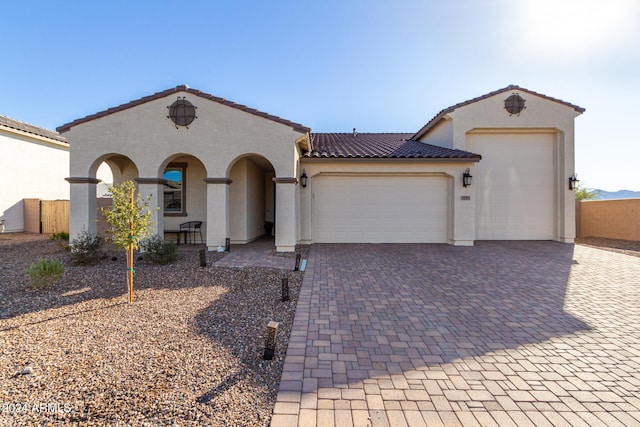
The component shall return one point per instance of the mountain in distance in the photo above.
(620, 194)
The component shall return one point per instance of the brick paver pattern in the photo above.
(502, 333)
(259, 253)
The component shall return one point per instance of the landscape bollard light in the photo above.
(285, 289)
(297, 266)
(270, 340)
(227, 244)
(203, 258)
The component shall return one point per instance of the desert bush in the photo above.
(61, 239)
(157, 251)
(45, 272)
(61, 236)
(85, 249)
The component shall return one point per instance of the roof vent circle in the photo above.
(514, 104)
(182, 112)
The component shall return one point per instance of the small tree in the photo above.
(130, 220)
(585, 193)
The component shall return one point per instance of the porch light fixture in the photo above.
(573, 181)
(303, 179)
(466, 178)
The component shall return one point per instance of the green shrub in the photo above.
(61, 239)
(62, 236)
(157, 251)
(85, 249)
(45, 272)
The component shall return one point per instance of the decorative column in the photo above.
(217, 212)
(152, 188)
(285, 213)
(82, 206)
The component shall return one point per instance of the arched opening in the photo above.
(252, 199)
(110, 169)
(184, 195)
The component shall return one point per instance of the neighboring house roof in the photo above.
(183, 88)
(34, 130)
(448, 110)
(379, 146)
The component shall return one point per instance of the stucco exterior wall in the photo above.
(255, 202)
(148, 141)
(612, 219)
(488, 115)
(32, 167)
(441, 134)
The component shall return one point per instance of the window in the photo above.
(175, 189)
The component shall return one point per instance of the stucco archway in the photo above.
(182, 193)
(252, 206)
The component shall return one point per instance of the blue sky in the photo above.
(379, 66)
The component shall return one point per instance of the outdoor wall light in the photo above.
(573, 181)
(466, 178)
(303, 179)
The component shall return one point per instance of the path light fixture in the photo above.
(285, 289)
(466, 178)
(303, 179)
(270, 340)
(573, 181)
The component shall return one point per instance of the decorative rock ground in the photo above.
(188, 351)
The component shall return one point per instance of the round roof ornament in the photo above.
(514, 104)
(182, 112)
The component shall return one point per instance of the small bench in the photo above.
(178, 233)
(188, 230)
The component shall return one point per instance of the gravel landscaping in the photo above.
(627, 247)
(188, 351)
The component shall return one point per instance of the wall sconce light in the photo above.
(573, 181)
(303, 179)
(466, 178)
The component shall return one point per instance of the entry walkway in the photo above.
(503, 333)
(259, 253)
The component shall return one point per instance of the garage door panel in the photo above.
(514, 185)
(374, 209)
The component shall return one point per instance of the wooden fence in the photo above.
(46, 216)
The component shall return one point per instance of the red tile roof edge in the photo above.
(367, 147)
(184, 88)
(448, 110)
(32, 129)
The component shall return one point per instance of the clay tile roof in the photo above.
(184, 88)
(378, 146)
(35, 130)
(448, 110)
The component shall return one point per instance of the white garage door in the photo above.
(375, 209)
(514, 186)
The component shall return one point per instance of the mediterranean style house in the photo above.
(34, 163)
(496, 167)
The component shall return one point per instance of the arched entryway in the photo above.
(84, 211)
(184, 195)
(110, 170)
(252, 206)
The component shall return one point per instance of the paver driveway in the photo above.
(503, 333)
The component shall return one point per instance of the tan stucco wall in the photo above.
(541, 115)
(217, 138)
(461, 213)
(32, 167)
(255, 202)
(246, 201)
(612, 219)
